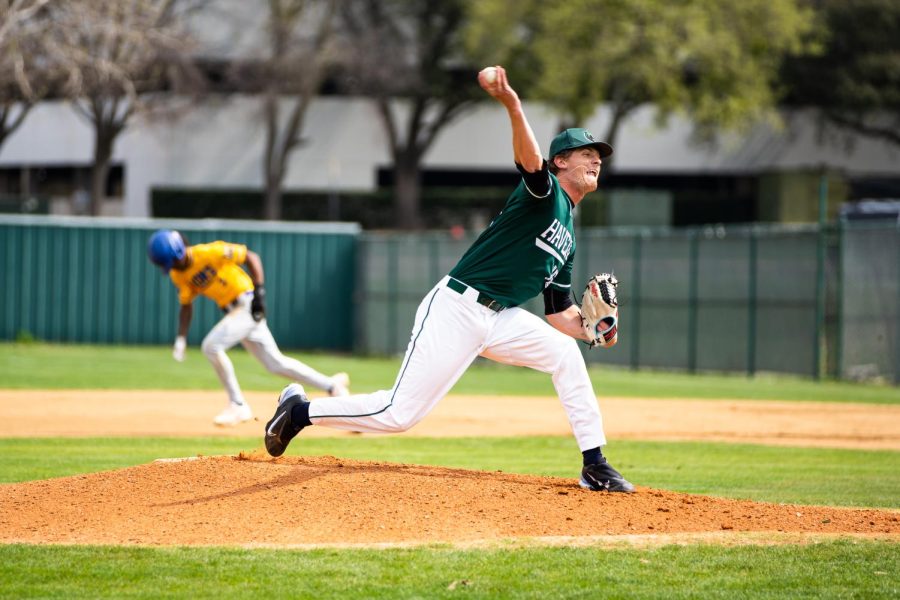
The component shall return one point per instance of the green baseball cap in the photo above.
(576, 137)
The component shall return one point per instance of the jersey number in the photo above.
(204, 277)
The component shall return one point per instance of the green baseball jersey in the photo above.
(529, 246)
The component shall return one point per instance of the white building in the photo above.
(219, 144)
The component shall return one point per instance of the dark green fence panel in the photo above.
(870, 282)
(722, 301)
(89, 281)
(665, 301)
(395, 272)
(786, 327)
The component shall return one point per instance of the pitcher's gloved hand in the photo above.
(600, 310)
(258, 305)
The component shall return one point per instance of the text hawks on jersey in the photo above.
(558, 242)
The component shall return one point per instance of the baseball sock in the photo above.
(591, 457)
(300, 415)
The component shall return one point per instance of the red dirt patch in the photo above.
(253, 500)
(300, 502)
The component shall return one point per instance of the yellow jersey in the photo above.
(213, 270)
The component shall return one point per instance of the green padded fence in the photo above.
(86, 280)
(788, 299)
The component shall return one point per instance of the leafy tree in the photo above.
(714, 60)
(408, 57)
(855, 82)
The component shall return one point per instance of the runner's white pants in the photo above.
(238, 326)
(450, 331)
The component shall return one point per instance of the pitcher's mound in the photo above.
(252, 500)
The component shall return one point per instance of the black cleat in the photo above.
(280, 430)
(602, 477)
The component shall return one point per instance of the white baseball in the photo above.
(490, 74)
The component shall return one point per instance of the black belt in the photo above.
(483, 299)
(234, 303)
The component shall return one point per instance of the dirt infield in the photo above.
(183, 413)
(253, 500)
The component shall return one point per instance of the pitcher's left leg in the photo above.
(523, 339)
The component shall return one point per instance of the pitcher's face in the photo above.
(582, 169)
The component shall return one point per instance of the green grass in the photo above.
(762, 473)
(57, 366)
(833, 569)
(839, 569)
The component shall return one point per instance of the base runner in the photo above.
(474, 311)
(214, 270)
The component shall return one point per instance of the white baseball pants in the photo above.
(450, 330)
(238, 326)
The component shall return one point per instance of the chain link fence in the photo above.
(869, 331)
(774, 298)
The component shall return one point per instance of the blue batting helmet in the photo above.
(165, 247)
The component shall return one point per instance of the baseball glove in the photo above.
(600, 310)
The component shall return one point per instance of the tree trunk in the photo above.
(407, 193)
(9, 122)
(272, 204)
(273, 158)
(620, 113)
(100, 171)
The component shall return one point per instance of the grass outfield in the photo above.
(27, 366)
(841, 569)
(826, 569)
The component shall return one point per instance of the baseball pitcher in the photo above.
(528, 249)
(215, 270)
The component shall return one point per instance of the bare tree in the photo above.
(298, 57)
(407, 57)
(21, 81)
(16, 16)
(117, 55)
